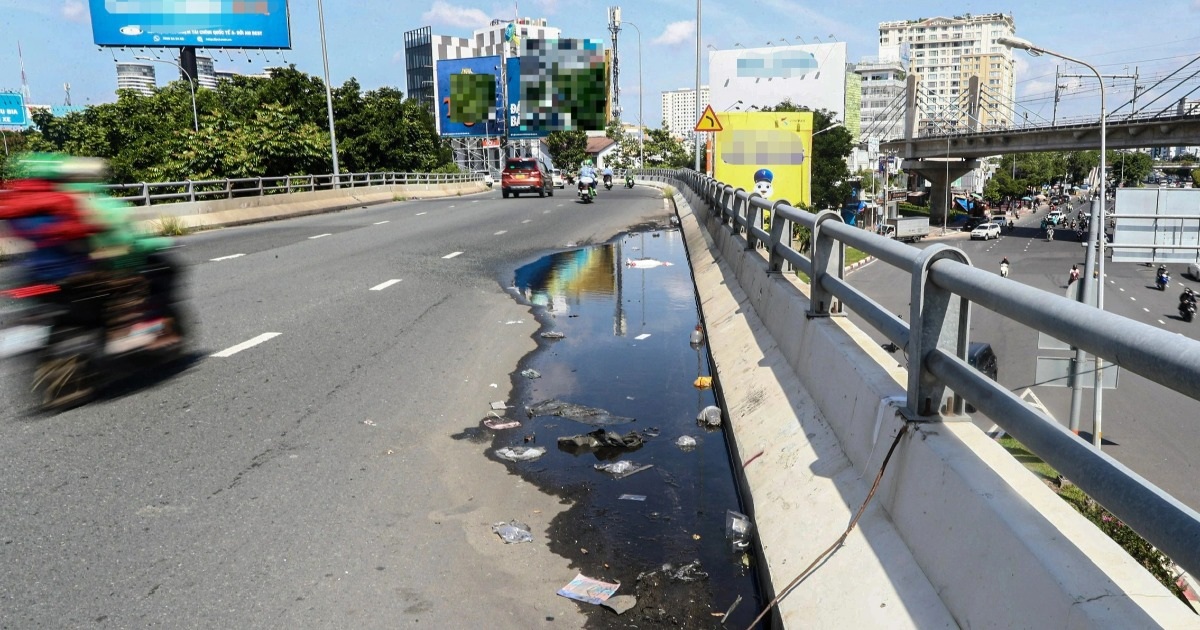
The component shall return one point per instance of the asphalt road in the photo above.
(1147, 427)
(308, 481)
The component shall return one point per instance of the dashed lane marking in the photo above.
(380, 287)
(527, 221)
(381, 222)
(311, 238)
(452, 255)
(500, 232)
(421, 213)
(230, 257)
(1145, 309)
(245, 345)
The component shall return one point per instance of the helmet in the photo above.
(587, 162)
(61, 167)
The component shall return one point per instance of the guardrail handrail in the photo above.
(149, 193)
(935, 339)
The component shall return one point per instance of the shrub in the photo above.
(168, 225)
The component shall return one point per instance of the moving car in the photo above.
(1054, 218)
(525, 175)
(487, 177)
(556, 178)
(986, 231)
(1193, 270)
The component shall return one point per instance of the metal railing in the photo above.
(944, 284)
(150, 193)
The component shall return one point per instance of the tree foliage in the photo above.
(830, 176)
(664, 151)
(568, 149)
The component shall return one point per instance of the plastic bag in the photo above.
(710, 416)
(513, 532)
(622, 469)
(686, 442)
(520, 453)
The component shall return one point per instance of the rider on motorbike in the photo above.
(587, 170)
(1187, 296)
(1004, 267)
(608, 176)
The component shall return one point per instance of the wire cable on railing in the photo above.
(1133, 113)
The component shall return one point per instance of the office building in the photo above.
(882, 105)
(137, 76)
(206, 75)
(679, 109)
(945, 53)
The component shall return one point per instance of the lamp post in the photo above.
(699, 109)
(191, 86)
(1096, 242)
(949, 199)
(641, 99)
(337, 178)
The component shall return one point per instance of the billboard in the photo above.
(12, 110)
(1166, 228)
(812, 76)
(465, 91)
(202, 23)
(558, 85)
(767, 153)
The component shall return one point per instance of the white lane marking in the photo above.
(500, 232)
(381, 222)
(1145, 309)
(421, 213)
(228, 352)
(545, 212)
(527, 221)
(1162, 322)
(380, 287)
(1121, 289)
(449, 256)
(451, 206)
(230, 257)
(1133, 298)
(319, 236)
(642, 336)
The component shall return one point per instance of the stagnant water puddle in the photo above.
(626, 349)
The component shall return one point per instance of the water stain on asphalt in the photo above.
(625, 349)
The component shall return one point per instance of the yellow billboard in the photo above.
(767, 153)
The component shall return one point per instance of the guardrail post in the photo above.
(754, 218)
(260, 186)
(145, 194)
(781, 235)
(937, 319)
(735, 210)
(191, 190)
(825, 260)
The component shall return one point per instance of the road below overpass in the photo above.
(1145, 426)
(308, 480)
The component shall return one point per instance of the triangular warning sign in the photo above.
(709, 121)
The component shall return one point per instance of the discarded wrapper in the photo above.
(702, 382)
(622, 469)
(513, 532)
(686, 442)
(586, 589)
(552, 334)
(632, 497)
(531, 373)
(497, 423)
(520, 453)
(710, 416)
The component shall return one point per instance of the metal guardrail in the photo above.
(935, 339)
(150, 193)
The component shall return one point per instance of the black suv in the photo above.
(525, 175)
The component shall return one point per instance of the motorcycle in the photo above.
(1163, 281)
(628, 182)
(1049, 234)
(608, 182)
(1187, 310)
(1003, 270)
(587, 189)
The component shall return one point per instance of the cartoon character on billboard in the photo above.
(764, 181)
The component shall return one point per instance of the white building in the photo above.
(945, 53)
(137, 76)
(679, 109)
(882, 108)
(206, 75)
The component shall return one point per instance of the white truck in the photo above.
(907, 229)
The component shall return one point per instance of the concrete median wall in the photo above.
(958, 533)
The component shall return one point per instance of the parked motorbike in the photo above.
(587, 189)
(1187, 311)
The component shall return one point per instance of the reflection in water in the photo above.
(563, 279)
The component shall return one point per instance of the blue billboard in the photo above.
(200, 23)
(12, 110)
(467, 93)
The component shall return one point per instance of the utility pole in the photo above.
(614, 27)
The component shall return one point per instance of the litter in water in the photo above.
(601, 439)
(686, 442)
(702, 382)
(513, 532)
(531, 373)
(737, 529)
(552, 334)
(588, 590)
(632, 497)
(697, 336)
(620, 603)
(622, 469)
(498, 423)
(499, 405)
(645, 263)
(710, 416)
(520, 453)
(578, 413)
(642, 336)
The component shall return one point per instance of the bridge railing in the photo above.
(151, 193)
(944, 285)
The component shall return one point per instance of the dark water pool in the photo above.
(626, 349)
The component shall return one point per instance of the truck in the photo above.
(907, 229)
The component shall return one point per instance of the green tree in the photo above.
(831, 145)
(568, 149)
(664, 151)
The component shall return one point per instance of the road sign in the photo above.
(1056, 372)
(708, 121)
(12, 110)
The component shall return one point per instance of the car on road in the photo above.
(1193, 270)
(1055, 217)
(986, 231)
(972, 223)
(525, 175)
(487, 177)
(556, 178)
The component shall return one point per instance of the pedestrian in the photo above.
(1074, 274)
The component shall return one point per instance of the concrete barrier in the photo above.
(958, 533)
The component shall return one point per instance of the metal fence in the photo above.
(150, 193)
(944, 285)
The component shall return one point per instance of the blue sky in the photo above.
(365, 40)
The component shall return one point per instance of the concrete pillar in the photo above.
(935, 172)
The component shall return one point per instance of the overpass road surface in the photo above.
(299, 471)
(1147, 427)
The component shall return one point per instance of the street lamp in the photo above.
(732, 106)
(1096, 238)
(328, 96)
(641, 99)
(191, 86)
(699, 109)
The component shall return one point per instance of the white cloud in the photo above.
(677, 33)
(74, 10)
(398, 56)
(446, 14)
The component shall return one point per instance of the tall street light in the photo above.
(699, 109)
(641, 98)
(1096, 242)
(328, 96)
(191, 86)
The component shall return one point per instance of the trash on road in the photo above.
(552, 334)
(620, 603)
(499, 405)
(737, 529)
(632, 497)
(513, 532)
(690, 572)
(686, 442)
(498, 423)
(578, 413)
(702, 382)
(588, 590)
(645, 263)
(710, 416)
(520, 453)
(531, 373)
(601, 438)
(622, 469)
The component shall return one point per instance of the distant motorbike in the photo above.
(628, 181)
(1163, 281)
(608, 182)
(587, 189)
(1187, 311)
(1003, 270)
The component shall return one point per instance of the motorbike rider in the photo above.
(587, 170)
(1188, 296)
(1004, 267)
(608, 175)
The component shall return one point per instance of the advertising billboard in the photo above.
(812, 76)
(12, 110)
(766, 153)
(201, 23)
(466, 93)
(559, 85)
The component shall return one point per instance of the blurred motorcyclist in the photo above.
(587, 170)
(608, 176)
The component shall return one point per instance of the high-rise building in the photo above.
(882, 106)
(418, 65)
(679, 109)
(136, 76)
(937, 49)
(206, 76)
